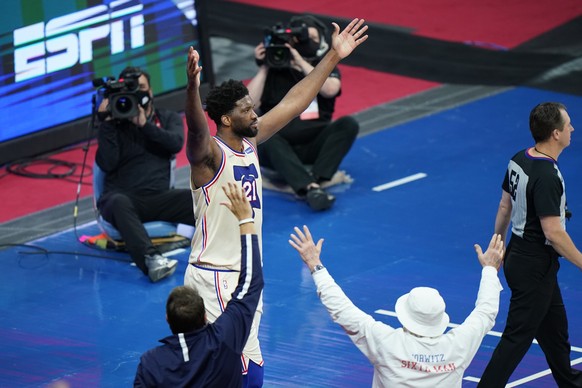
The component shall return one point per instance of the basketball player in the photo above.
(231, 156)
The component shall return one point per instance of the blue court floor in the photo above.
(85, 320)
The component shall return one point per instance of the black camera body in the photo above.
(124, 95)
(277, 55)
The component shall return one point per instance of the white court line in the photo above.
(498, 334)
(538, 375)
(399, 182)
(173, 252)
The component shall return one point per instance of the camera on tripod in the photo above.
(124, 95)
(277, 55)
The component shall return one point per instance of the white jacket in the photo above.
(402, 359)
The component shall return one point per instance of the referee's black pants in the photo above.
(127, 213)
(536, 310)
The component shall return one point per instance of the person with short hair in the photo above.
(308, 151)
(420, 354)
(202, 354)
(533, 200)
(136, 155)
(231, 156)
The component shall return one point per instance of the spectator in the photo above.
(420, 354)
(308, 151)
(231, 156)
(201, 354)
(136, 154)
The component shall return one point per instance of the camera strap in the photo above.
(157, 121)
(154, 119)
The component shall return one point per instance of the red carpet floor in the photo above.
(506, 23)
(501, 22)
(21, 196)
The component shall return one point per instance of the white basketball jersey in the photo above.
(216, 241)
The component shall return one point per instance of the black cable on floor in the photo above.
(21, 168)
(91, 129)
(43, 251)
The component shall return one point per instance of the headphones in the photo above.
(312, 21)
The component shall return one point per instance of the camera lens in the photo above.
(277, 56)
(123, 105)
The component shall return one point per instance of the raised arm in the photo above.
(493, 256)
(236, 320)
(299, 97)
(332, 85)
(240, 206)
(201, 150)
(471, 332)
(363, 330)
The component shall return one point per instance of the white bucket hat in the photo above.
(422, 312)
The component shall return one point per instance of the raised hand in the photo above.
(239, 204)
(351, 37)
(303, 243)
(493, 256)
(193, 69)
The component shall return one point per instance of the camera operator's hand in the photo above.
(260, 52)
(297, 61)
(351, 37)
(141, 119)
(103, 111)
(332, 85)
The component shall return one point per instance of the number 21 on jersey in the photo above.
(248, 175)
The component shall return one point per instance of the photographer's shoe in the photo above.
(159, 267)
(319, 199)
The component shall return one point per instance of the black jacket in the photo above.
(137, 160)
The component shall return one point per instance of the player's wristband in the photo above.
(246, 221)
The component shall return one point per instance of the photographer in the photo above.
(136, 155)
(287, 56)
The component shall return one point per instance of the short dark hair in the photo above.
(132, 70)
(544, 118)
(185, 310)
(222, 99)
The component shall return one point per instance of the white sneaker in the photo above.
(160, 267)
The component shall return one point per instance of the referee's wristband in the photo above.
(246, 221)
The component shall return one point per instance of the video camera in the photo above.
(277, 55)
(124, 95)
